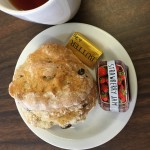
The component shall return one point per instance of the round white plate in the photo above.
(100, 126)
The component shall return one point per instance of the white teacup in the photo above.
(51, 13)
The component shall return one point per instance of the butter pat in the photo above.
(84, 49)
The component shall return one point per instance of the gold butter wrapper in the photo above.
(84, 49)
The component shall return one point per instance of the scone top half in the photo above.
(53, 78)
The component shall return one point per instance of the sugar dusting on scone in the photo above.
(53, 87)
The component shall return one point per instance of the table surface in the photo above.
(129, 22)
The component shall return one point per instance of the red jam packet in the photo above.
(113, 88)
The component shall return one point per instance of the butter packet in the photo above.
(84, 49)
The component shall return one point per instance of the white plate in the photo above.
(100, 126)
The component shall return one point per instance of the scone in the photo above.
(53, 87)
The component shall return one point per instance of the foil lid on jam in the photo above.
(84, 49)
(113, 88)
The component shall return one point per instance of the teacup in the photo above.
(52, 12)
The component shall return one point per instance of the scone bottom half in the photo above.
(53, 87)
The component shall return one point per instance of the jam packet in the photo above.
(113, 89)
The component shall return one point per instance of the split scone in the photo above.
(53, 87)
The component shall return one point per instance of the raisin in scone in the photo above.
(53, 87)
